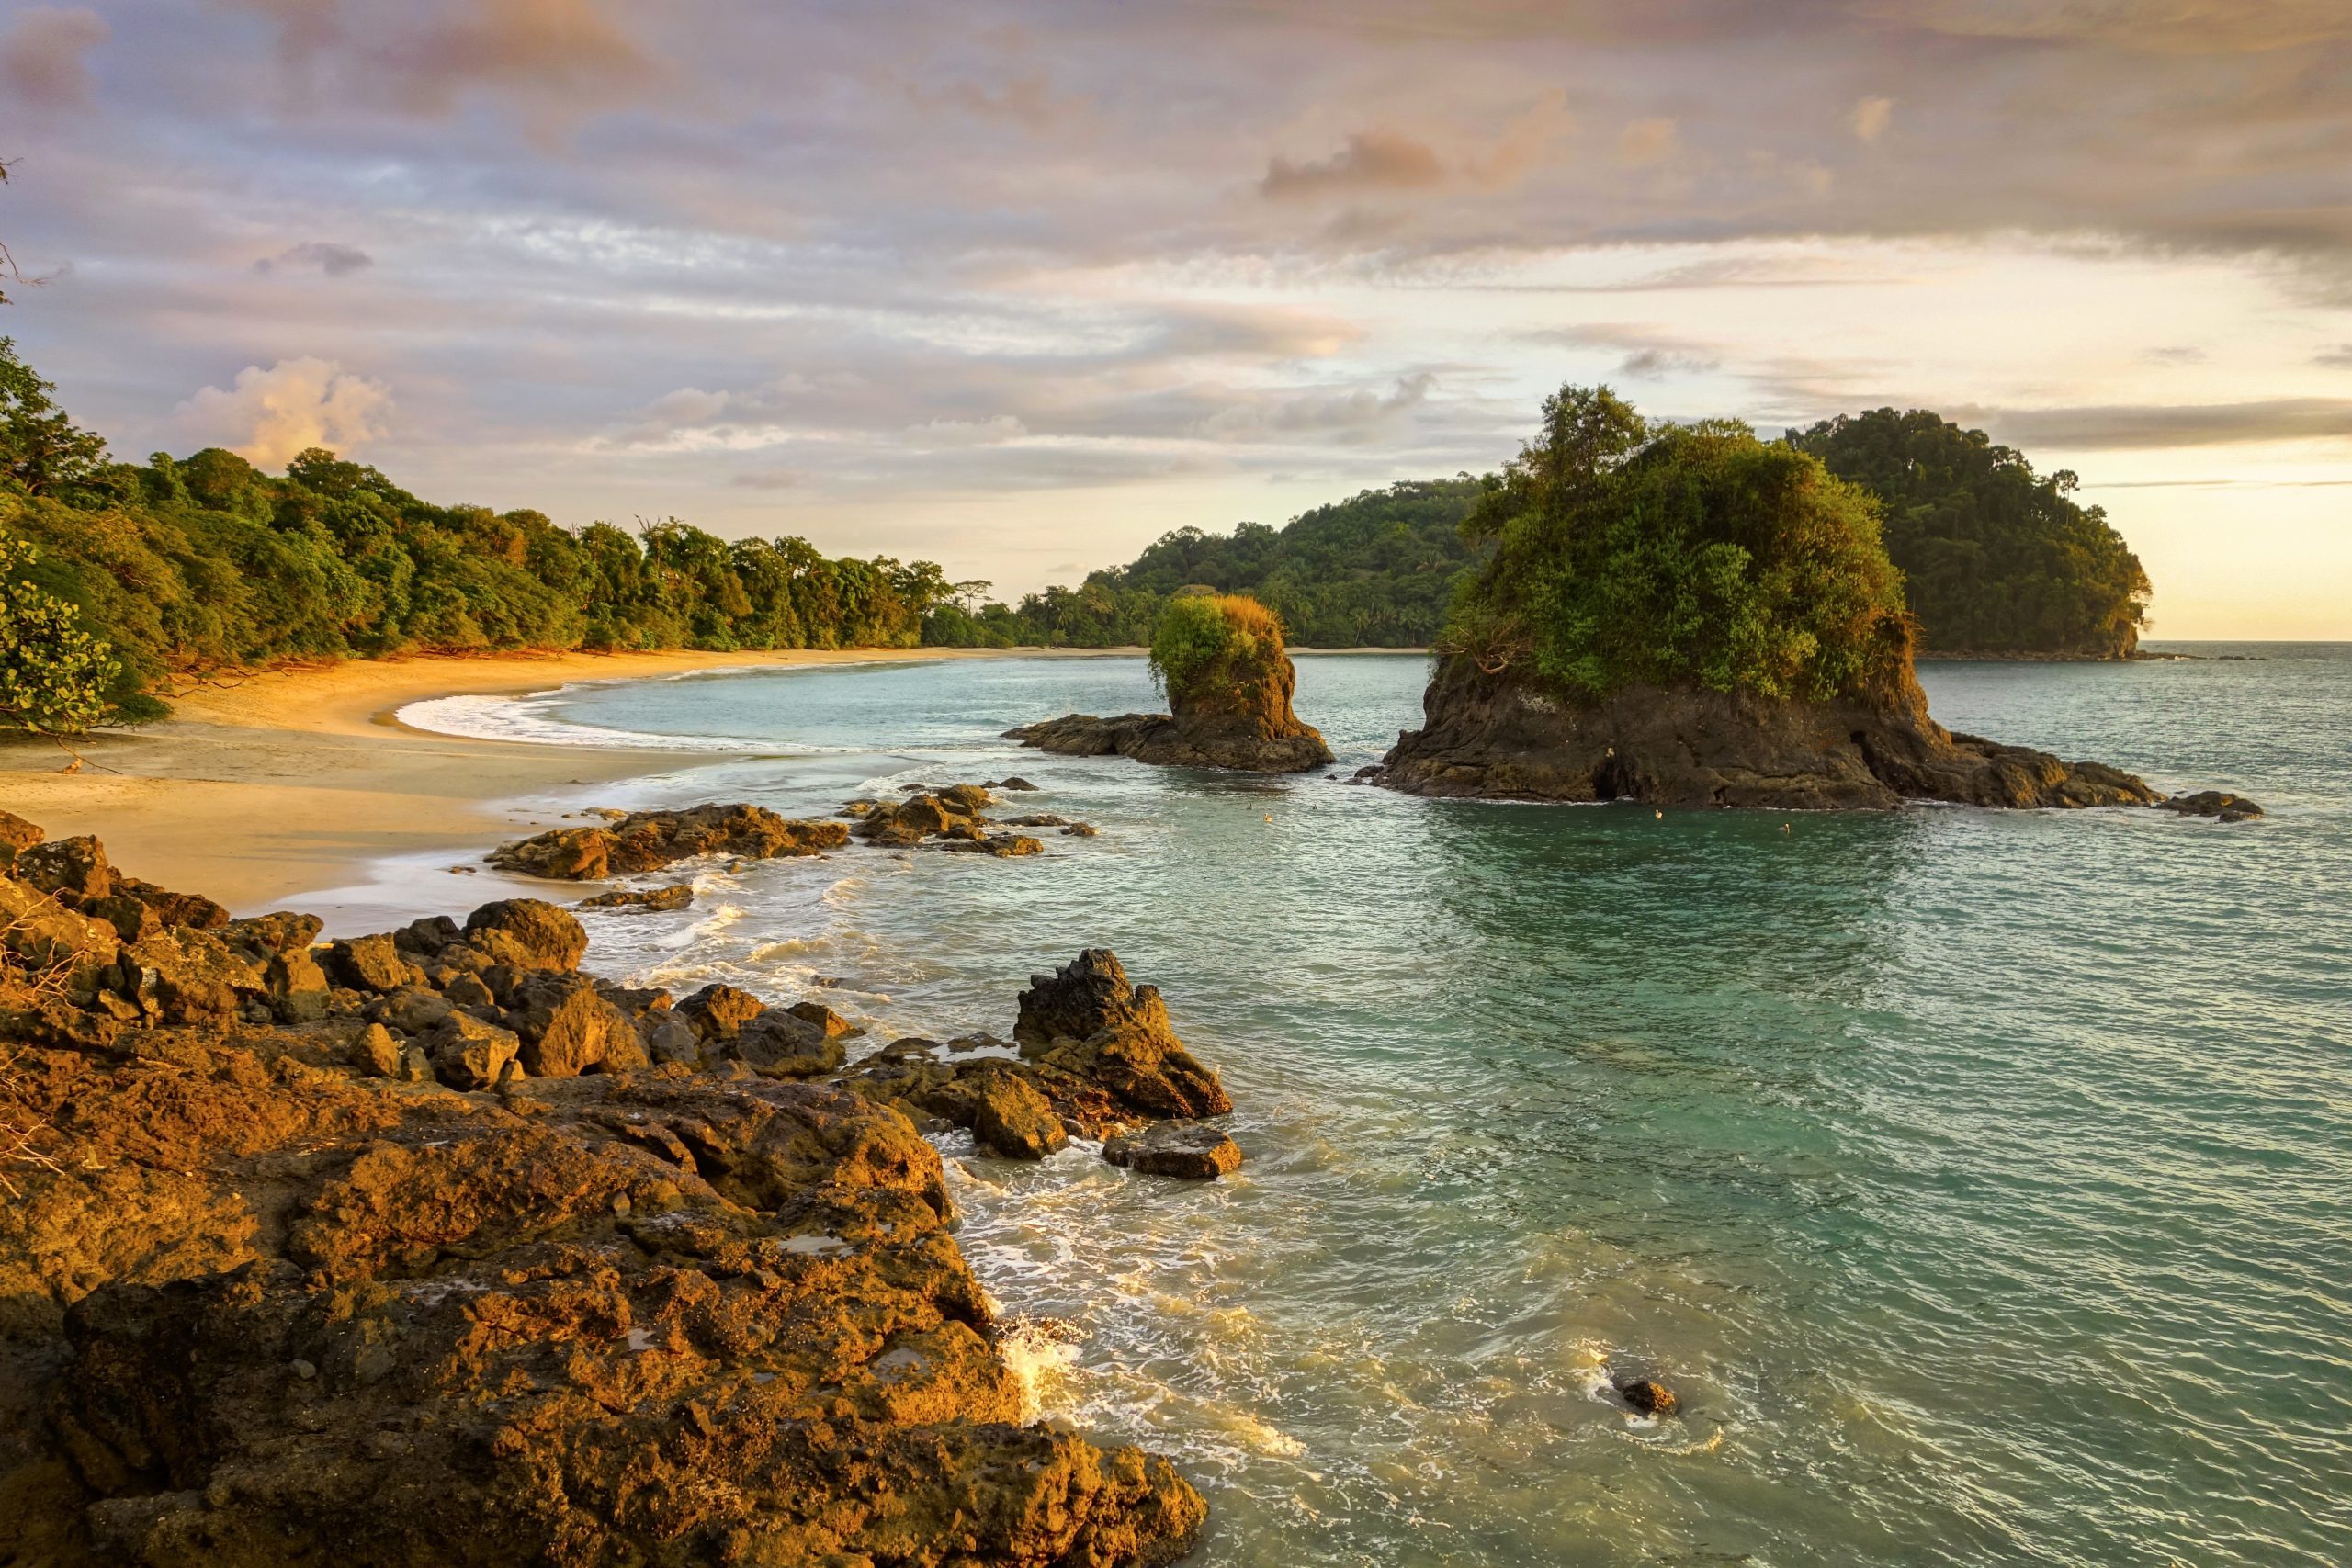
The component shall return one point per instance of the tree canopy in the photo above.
(201, 562)
(1995, 559)
(1374, 570)
(1627, 553)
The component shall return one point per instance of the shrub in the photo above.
(53, 674)
(1214, 650)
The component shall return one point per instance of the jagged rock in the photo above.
(526, 934)
(370, 964)
(1010, 1117)
(1015, 783)
(669, 1038)
(375, 1051)
(130, 917)
(1081, 831)
(284, 932)
(75, 866)
(409, 1010)
(466, 990)
(1003, 846)
(429, 937)
(650, 900)
(2213, 803)
(1038, 819)
(468, 1053)
(568, 1028)
(297, 987)
(48, 937)
(172, 908)
(1086, 997)
(1649, 1397)
(647, 841)
(1190, 1149)
(194, 976)
(17, 836)
(716, 1012)
(1499, 736)
(777, 1045)
(833, 1025)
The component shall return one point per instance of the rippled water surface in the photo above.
(1979, 1180)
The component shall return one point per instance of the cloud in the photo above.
(2123, 426)
(1373, 160)
(2337, 358)
(1649, 363)
(1291, 413)
(268, 416)
(324, 255)
(988, 431)
(1648, 353)
(1870, 117)
(1647, 142)
(424, 58)
(2181, 354)
(40, 57)
(769, 478)
(2173, 27)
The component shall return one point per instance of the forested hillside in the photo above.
(1995, 559)
(190, 564)
(1378, 570)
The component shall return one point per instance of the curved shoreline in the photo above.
(293, 781)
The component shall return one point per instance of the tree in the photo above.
(53, 674)
(42, 451)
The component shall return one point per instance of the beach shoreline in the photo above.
(292, 781)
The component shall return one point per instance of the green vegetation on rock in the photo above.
(1995, 559)
(1631, 554)
(1216, 652)
(54, 676)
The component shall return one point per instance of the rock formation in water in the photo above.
(424, 1247)
(1497, 737)
(648, 840)
(1229, 682)
(1687, 616)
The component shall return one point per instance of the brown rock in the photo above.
(834, 1025)
(297, 987)
(1190, 1149)
(649, 900)
(566, 854)
(376, 1053)
(75, 866)
(1010, 1117)
(716, 1012)
(370, 964)
(17, 835)
(468, 1053)
(777, 1045)
(567, 1028)
(284, 932)
(526, 934)
(2213, 803)
(1651, 1398)
(194, 976)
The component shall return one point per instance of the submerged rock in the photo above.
(1649, 1397)
(1498, 736)
(1191, 1149)
(2213, 803)
(648, 900)
(648, 840)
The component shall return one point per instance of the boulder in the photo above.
(669, 1038)
(468, 1053)
(716, 1012)
(778, 1046)
(370, 964)
(649, 900)
(1195, 1150)
(1003, 846)
(77, 867)
(1648, 1396)
(50, 939)
(1015, 783)
(647, 841)
(193, 976)
(834, 1025)
(526, 934)
(466, 991)
(2215, 803)
(375, 1051)
(174, 909)
(1010, 1117)
(430, 937)
(130, 917)
(283, 932)
(297, 987)
(409, 1010)
(1086, 997)
(568, 1028)
(566, 854)
(17, 836)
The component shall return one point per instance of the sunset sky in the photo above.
(1019, 287)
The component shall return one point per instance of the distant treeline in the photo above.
(1995, 558)
(1377, 570)
(205, 562)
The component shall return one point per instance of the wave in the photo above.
(532, 719)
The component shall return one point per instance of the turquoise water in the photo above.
(1979, 1180)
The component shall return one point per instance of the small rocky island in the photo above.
(426, 1247)
(1220, 658)
(1687, 616)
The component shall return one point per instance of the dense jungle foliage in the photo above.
(184, 565)
(1377, 570)
(1631, 554)
(1216, 651)
(1995, 558)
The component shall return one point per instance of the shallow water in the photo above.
(1979, 1180)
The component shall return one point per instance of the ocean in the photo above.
(1979, 1180)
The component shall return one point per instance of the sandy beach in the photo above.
(291, 781)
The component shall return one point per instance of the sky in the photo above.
(1019, 287)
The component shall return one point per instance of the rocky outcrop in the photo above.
(1165, 740)
(646, 900)
(1497, 737)
(1192, 1150)
(2215, 803)
(372, 1289)
(648, 840)
(949, 817)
